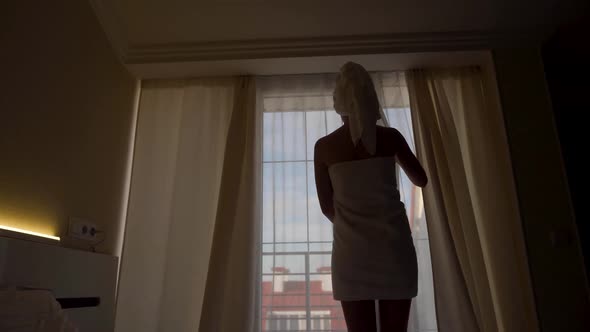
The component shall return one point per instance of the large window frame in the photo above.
(275, 250)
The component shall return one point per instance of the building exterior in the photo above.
(286, 306)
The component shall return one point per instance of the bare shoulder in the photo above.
(327, 141)
(320, 147)
(390, 133)
(321, 143)
(326, 144)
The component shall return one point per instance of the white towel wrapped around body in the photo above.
(373, 256)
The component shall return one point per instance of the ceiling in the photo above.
(149, 31)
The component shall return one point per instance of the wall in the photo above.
(66, 116)
(554, 253)
(565, 58)
(192, 22)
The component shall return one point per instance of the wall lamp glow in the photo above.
(24, 231)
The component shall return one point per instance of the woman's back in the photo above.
(338, 147)
(370, 179)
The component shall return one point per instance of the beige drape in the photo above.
(481, 276)
(194, 141)
(231, 295)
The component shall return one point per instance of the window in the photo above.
(297, 238)
(286, 321)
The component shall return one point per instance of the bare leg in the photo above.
(360, 316)
(394, 315)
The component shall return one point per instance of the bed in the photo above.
(72, 289)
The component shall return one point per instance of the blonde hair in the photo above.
(355, 97)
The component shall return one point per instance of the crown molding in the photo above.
(131, 53)
(321, 46)
(308, 65)
(111, 25)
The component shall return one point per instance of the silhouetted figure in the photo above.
(373, 255)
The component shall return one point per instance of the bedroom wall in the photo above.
(554, 253)
(565, 59)
(66, 116)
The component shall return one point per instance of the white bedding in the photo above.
(31, 311)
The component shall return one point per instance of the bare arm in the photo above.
(323, 184)
(409, 163)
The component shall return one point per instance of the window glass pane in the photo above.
(283, 136)
(320, 263)
(320, 246)
(267, 248)
(291, 247)
(316, 128)
(283, 264)
(289, 201)
(268, 203)
(334, 120)
(400, 119)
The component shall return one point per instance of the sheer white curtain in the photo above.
(186, 158)
(296, 237)
(232, 293)
(394, 98)
(479, 259)
(296, 246)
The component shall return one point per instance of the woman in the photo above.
(373, 256)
